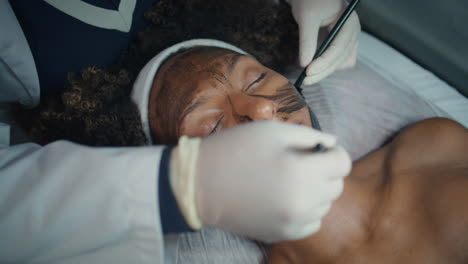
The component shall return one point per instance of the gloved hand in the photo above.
(311, 15)
(260, 180)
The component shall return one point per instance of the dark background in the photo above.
(433, 33)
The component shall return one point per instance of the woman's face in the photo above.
(204, 90)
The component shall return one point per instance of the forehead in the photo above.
(181, 72)
(200, 58)
(179, 77)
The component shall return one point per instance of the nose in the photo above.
(253, 108)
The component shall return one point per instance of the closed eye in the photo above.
(217, 126)
(261, 77)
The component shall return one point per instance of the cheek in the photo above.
(300, 117)
(192, 129)
(196, 126)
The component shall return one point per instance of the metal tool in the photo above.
(339, 24)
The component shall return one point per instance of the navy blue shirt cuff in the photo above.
(172, 220)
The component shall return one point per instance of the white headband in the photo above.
(144, 81)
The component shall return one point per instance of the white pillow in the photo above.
(363, 109)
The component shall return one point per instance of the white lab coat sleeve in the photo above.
(66, 203)
(19, 81)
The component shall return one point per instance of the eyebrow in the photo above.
(197, 103)
(204, 99)
(288, 98)
(234, 61)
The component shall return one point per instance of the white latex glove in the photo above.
(260, 180)
(311, 15)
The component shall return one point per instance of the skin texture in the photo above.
(405, 203)
(218, 89)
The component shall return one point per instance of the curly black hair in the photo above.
(96, 108)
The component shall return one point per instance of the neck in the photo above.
(350, 219)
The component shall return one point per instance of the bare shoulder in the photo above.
(432, 157)
(439, 127)
(434, 141)
(435, 134)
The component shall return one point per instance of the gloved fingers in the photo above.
(308, 33)
(317, 77)
(338, 58)
(297, 230)
(338, 51)
(334, 163)
(317, 211)
(352, 58)
(331, 192)
(327, 194)
(304, 138)
(307, 229)
(343, 41)
(339, 63)
(310, 224)
(320, 200)
(312, 228)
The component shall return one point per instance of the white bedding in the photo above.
(364, 106)
(409, 76)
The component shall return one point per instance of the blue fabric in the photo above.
(172, 220)
(61, 44)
